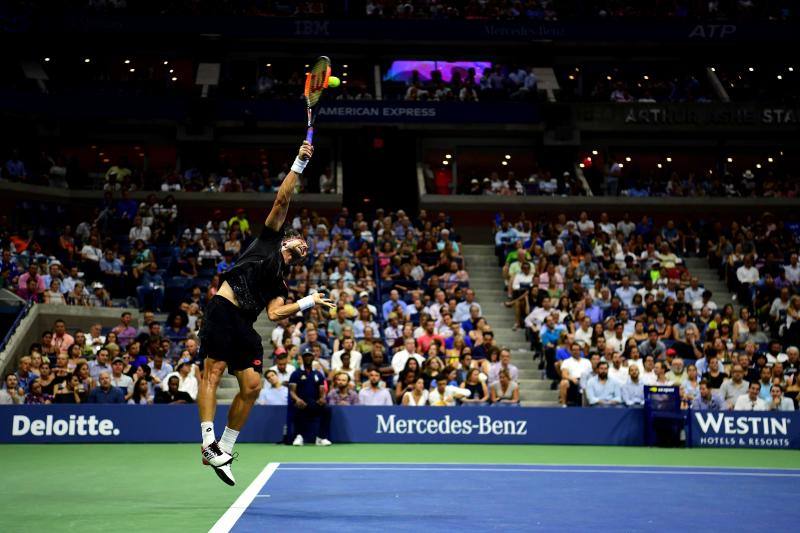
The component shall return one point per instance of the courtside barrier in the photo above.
(464, 425)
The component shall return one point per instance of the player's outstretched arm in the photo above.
(280, 208)
(277, 310)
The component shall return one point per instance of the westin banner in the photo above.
(745, 429)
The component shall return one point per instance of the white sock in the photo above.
(228, 439)
(207, 431)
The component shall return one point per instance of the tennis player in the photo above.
(228, 339)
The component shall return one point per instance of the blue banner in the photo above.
(464, 425)
(126, 423)
(745, 429)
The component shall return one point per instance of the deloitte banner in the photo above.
(126, 423)
(745, 429)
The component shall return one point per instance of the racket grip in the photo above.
(310, 135)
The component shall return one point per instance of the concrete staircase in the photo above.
(487, 281)
(698, 267)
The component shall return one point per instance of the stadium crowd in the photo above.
(609, 307)
(498, 83)
(407, 328)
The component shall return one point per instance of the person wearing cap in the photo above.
(118, 379)
(474, 187)
(363, 301)
(307, 394)
(99, 296)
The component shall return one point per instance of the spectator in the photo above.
(341, 393)
(417, 396)
(401, 358)
(504, 391)
(11, 393)
(708, 400)
(61, 339)
(503, 364)
(282, 367)
(445, 395)
(141, 392)
(100, 364)
(105, 392)
(571, 371)
(125, 332)
(751, 401)
(172, 395)
(307, 392)
(632, 392)
(715, 376)
(275, 393)
(652, 346)
(374, 391)
(160, 369)
(151, 287)
(25, 376)
(479, 392)
(36, 396)
(778, 402)
(733, 388)
(70, 391)
(187, 381)
(602, 391)
(118, 379)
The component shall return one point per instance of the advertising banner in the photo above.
(739, 429)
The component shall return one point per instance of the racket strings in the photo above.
(316, 81)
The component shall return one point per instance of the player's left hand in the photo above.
(319, 299)
(306, 151)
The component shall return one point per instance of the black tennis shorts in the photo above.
(228, 335)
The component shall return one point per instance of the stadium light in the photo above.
(780, 77)
(770, 160)
(344, 66)
(751, 69)
(448, 156)
(571, 77)
(622, 165)
(508, 156)
(577, 69)
(445, 162)
(730, 160)
(608, 78)
(628, 159)
(713, 69)
(87, 60)
(174, 78)
(582, 165)
(171, 70)
(790, 69)
(306, 66)
(758, 165)
(594, 152)
(46, 59)
(669, 160)
(269, 64)
(659, 165)
(127, 61)
(646, 77)
(344, 74)
(504, 163)
(131, 70)
(166, 62)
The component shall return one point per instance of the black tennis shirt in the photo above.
(257, 278)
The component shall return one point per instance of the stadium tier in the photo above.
(280, 251)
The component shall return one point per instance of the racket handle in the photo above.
(310, 135)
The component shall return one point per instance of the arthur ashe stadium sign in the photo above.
(402, 425)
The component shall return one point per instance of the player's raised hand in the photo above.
(319, 299)
(306, 151)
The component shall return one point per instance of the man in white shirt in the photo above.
(400, 359)
(188, 381)
(626, 226)
(583, 334)
(282, 367)
(791, 272)
(649, 376)
(536, 317)
(445, 395)
(348, 345)
(372, 393)
(139, 231)
(747, 274)
(751, 401)
(118, 379)
(617, 371)
(91, 251)
(571, 371)
(694, 292)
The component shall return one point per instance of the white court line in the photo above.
(562, 465)
(545, 470)
(235, 511)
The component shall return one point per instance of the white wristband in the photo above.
(299, 165)
(306, 302)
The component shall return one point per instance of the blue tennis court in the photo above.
(403, 497)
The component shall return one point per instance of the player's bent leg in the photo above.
(249, 389)
(212, 454)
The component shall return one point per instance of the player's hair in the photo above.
(290, 233)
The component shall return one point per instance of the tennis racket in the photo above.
(316, 82)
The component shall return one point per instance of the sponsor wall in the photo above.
(479, 425)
